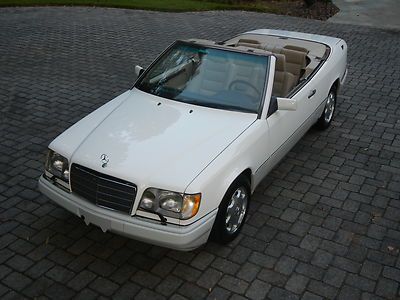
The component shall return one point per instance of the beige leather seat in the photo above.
(179, 81)
(284, 81)
(247, 71)
(216, 79)
(296, 48)
(295, 60)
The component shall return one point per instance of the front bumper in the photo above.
(172, 236)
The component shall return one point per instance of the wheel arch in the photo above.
(216, 184)
(214, 181)
(336, 85)
(219, 231)
(248, 174)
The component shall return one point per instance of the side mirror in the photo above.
(286, 104)
(138, 70)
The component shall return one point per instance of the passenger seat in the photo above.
(216, 80)
(250, 72)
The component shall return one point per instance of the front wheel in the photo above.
(327, 115)
(232, 212)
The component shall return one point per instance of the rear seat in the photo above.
(296, 48)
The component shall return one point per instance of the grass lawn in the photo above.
(321, 9)
(161, 5)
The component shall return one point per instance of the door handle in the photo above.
(312, 93)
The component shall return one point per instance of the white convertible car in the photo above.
(174, 160)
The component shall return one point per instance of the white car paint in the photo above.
(169, 134)
(156, 142)
(324, 39)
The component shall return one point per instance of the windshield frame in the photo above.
(218, 47)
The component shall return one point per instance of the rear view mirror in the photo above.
(138, 70)
(286, 104)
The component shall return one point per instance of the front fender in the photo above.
(214, 182)
(244, 153)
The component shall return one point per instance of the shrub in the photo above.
(235, 1)
(309, 3)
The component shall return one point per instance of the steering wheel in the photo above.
(238, 81)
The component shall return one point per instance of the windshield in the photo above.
(209, 77)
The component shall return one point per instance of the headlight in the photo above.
(148, 200)
(57, 165)
(167, 203)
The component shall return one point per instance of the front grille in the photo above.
(102, 190)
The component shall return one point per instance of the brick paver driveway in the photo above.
(324, 224)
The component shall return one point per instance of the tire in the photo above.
(327, 115)
(234, 204)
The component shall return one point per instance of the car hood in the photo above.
(152, 141)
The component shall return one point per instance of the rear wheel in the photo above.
(327, 115)
(232, 212)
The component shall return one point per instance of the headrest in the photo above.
(296, 48)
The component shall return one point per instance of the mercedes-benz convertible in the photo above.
(174, 160)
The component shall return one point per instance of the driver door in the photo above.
(284, 127)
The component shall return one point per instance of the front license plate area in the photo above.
(89, 218)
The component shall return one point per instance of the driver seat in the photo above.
(247, 72)
(283, 81)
